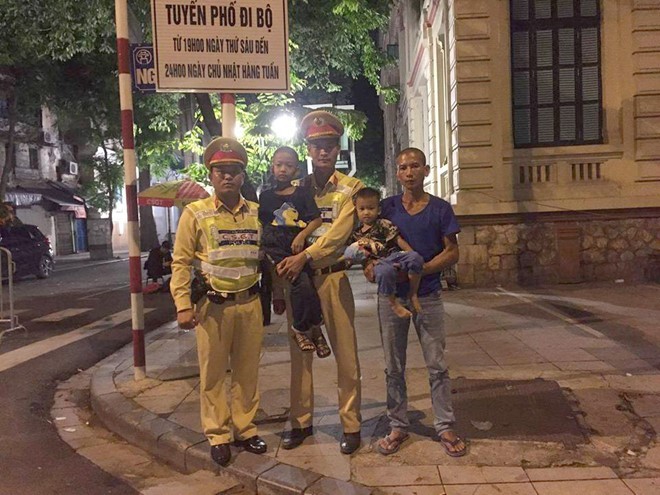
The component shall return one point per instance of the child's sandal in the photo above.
(305, 344)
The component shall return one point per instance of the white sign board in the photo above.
(238, 46)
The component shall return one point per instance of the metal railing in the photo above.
(7, 315)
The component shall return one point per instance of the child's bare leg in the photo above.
(398, 308)
(415, 279)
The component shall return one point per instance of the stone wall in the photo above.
(528, 253)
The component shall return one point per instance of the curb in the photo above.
(188, 451)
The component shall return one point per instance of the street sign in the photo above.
(143, 71)
(238, 46)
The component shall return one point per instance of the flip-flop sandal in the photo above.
(393, 444)
(449, 444)
(305, 344)
(321, 345)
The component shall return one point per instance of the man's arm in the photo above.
(184, 254)
(446, 258)
(325, 245)
(298, 243)
(403, 244)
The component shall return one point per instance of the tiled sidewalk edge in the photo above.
(188, 451)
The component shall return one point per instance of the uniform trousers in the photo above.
(338, 309)
(229, 335)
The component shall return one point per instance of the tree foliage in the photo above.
(62, 52)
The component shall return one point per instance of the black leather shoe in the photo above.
(295, 437)
(350, 442)
(221, 454)
(254, 444)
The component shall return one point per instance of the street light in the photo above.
(239, 131)
(285, 126)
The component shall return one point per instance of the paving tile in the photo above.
(654, 421)
(412, 490)
(334, 465)
(329, 486)
(285, 479)
(571, 473)
(563, 354)
(647, 405)
(644, 486)
(247, 467)
(585, 487)
(462, 475)
(405, 475)
(584, 366)
(494, 489)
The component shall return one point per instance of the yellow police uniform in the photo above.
(223, 244)
(335, 200)
(336, 296)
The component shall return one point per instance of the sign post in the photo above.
(130, 183)
(203, 46)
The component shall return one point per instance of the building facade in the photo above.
(42, 186)
(541, 122)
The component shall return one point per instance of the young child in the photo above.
(378, 239)
(289, 215)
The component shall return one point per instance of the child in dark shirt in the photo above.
(378, 239)
(289, 215)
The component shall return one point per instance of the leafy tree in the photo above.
(36, 36)
(344, 42)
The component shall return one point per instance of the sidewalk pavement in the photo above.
(63, 261)
(556, 388)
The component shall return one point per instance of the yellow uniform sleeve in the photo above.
(335, 238)
(185, 246)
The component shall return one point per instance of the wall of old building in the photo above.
(538, 252)
(455, 80)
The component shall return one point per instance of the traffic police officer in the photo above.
(333, 192)
(219, 238)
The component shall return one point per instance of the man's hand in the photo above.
(279, 306)
(289, 268)
(186, 319)
(298, 244)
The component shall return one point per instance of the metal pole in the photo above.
(130, 182)
(228, 114)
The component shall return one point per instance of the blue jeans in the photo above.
(430, 331)
(386, 273)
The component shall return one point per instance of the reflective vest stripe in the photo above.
(226, 273)
(202, 214)
(233, 252)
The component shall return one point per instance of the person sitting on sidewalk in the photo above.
(430, 227)
(159, 264)
(288, 215)
(377, 239)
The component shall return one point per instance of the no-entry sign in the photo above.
(227, 46)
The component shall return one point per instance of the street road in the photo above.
(74, 319)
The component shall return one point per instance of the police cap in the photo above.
(320, 124)
(224, 150)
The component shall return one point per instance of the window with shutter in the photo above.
(555, 64)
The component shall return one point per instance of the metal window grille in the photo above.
(556, 76)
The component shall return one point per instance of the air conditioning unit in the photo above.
(48, 137)
(73, 168)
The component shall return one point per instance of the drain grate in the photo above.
(528, 410)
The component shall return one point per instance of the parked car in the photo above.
(31, 251)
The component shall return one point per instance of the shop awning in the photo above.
(51, 198)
